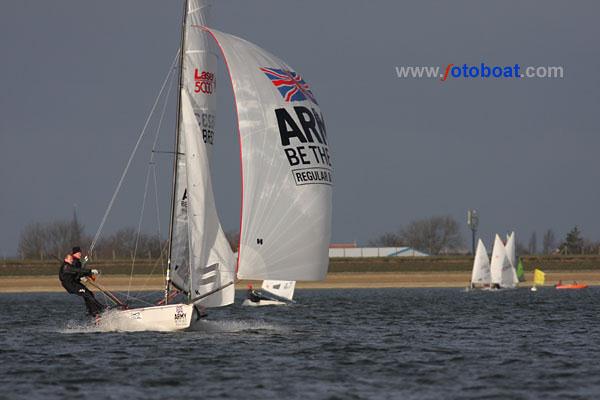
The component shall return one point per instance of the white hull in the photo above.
(171, 317)
(494, 289)
(479, 288)
(260, 303)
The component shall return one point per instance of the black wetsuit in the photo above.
(253, 296)
(69, 276)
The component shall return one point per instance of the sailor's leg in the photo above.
(94, 307)
(91, 304)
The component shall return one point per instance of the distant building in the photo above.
(351, 250)
(350, 245)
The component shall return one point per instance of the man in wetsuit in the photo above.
(252, 295)
(70, 275)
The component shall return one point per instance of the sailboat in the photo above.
(481, 276)
(539, 278)
(503, 274)
(512, 257)
(286, 168)
(273, 293)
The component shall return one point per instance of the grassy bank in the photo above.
(336, 265)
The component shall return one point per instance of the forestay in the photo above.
(201, 259)
(286, 167)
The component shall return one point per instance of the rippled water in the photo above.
(333, 344)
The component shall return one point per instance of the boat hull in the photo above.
(571, 286)
(170, 317)
(248, 303)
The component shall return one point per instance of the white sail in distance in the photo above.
(510, 249)
(501, 270)
(481, 266)
(511, 254)
(201, 259)
(286, 167)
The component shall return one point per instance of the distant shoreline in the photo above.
(334, 280)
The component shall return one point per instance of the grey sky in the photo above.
(78, 78)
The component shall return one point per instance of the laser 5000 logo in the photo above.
(204, 81)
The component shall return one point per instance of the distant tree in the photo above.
(388, 239)
(51, 239)
(32, 241)
(77, 230)
(591, 247)
(521, 249)
(549, 242)
(433, 235)
(573, 243)
(125, 243)
(532, 247)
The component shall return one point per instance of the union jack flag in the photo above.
(291, 85)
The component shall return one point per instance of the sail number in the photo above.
(207, 123)
(208, 136)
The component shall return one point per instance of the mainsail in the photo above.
(286, 167)
(200, 259)
(511, 254)
(501, 270)
(481, 266)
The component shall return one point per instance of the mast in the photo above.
(176, 157)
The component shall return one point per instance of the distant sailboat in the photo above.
(274, 293)
(481, 276)
(503, 274)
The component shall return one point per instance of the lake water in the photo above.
(333, 344)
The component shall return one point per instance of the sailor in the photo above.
(77, 257)
(252, 295)
(72, 273)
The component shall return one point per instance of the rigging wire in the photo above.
(151, 166)
(131, 156)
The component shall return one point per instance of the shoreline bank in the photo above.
(334, 280)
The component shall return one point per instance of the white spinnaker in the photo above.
(481, 266)
(211, 258)
(283, 289)
(286, 170)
